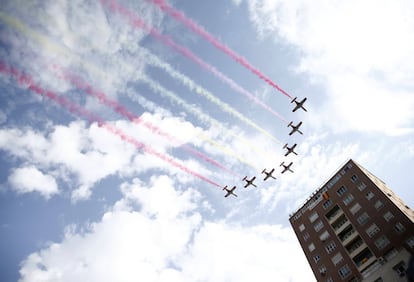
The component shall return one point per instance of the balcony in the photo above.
(349, 237)
(357, 248)
(363, 259)
(340, 224)
(335, 215)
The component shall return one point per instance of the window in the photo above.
(355, 208)
(354, 178)
(302, 227)
(382, 242)
(329, 279)
(363, 218)
(318, 226)
(306, 236)
(348, 199)
(361, 186)
(324, 236)
(388, 216)
(399, 227)
(311, 247)
(369, 195)
(410, 242)
(317, 258)
(400, 268)
(327, 204)
(330, 247)
(372, 230)
(313, 217)
(341, 190)
(322, 270)
(379, 205)
(391, 254)
(344, 271)
(337, 259)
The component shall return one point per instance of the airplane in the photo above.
(298, 104)
(295, 128)
(290, 150)
(229, 191)
(286, 167)
(249, 182)
(268, 174)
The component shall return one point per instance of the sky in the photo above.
(121, 122)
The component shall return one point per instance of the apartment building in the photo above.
(355, 228)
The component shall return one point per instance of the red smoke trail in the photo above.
(221, 46)
(26, 80)
(137, 22)
(122, 110)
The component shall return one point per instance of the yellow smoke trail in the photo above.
(56, 48)
(197, 112)
(190, 84)
(48, 44)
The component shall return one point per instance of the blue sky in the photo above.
(80, 203)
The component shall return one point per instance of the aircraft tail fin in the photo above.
(294, 99)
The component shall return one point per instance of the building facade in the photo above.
(355, 228)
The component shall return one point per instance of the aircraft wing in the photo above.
(296, 108)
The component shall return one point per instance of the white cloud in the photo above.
(30, 179)
(91, 153)
(237, 2)
(361, 53)
(167, 240)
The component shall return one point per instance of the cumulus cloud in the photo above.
(30, 179)
(91, 153)
(167, 240)
(364, 63)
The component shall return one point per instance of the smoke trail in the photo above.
(137, 22)
(219, 45)
(77, 109)
(47, 44)
(190, 84)
(166, 93)
(78, 82)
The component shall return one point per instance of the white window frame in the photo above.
(355, 208)
(314, 216)
(372, 230)
(388, 216)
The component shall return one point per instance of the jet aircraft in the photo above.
(229, 191)
(268, 174)
(249, 182)
(295, 127)
(286, 167)
(290, 150)
(299, 104)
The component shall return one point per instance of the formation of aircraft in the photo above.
(298, 104)
(290, 150)
(269, 174)
(286, 167)
(229, 191)
(249, 182)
